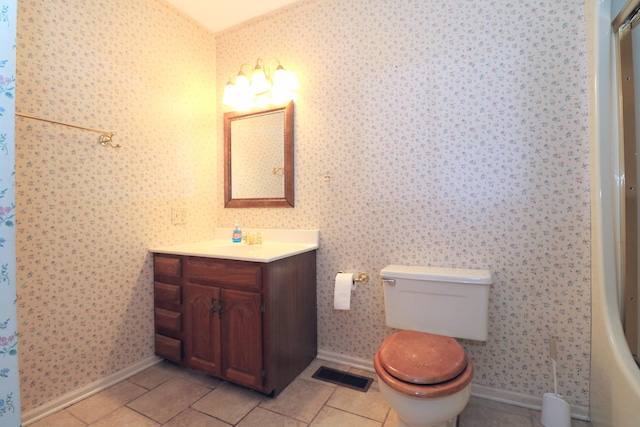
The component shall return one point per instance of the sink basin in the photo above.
(277, 244)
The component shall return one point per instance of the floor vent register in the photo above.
(344, 379)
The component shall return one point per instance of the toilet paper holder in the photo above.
(361, 278)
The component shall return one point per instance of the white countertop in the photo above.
(276, 244)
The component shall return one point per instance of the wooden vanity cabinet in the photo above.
(250, 323)
(167, 296)
(218, 319)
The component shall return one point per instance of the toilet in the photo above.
(424, 373)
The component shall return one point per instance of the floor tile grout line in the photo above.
(138, 412)
(359, 415)
(148, 390)
(268, 410)
(250, 411)
(70, 413)
(333, 390)
(204, 413)
(355, 413)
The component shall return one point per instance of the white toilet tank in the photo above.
(446, 301)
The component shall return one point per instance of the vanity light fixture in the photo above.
(264, 88)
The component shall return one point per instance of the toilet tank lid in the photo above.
(441, 274)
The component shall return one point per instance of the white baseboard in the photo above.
(42, 411)
(520, 399)
(354, 362)
(477, 390)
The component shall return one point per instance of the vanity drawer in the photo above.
(170, 320)
(167, 266)
(169, 348)
(224, 273)
(166, 293)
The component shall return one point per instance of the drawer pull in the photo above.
(213, 305)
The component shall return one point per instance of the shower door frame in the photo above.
(625, 22)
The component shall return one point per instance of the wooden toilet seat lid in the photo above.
(422, 358)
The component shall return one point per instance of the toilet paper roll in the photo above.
(342, 292)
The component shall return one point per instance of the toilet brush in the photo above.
(555, 410)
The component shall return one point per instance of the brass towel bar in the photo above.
(106, 139)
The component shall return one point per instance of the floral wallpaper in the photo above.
(435, 133)
(448, 134)
(87, 214)
(9, 374)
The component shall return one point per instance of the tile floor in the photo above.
(172, 396)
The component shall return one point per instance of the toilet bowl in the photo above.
(424, 373)
(426, 378)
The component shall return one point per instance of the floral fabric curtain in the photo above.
(9, 379)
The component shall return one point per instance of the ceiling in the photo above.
(218, 15)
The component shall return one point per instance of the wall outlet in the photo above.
(178, 216)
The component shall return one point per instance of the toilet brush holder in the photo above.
(556, 412)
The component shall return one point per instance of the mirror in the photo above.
(258, 158)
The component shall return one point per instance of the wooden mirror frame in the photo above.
(288, 200)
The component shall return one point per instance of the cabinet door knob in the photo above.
(213, 305)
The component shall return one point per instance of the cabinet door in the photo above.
(202, 328)
(242, 337)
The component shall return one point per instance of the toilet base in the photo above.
(434, 412)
